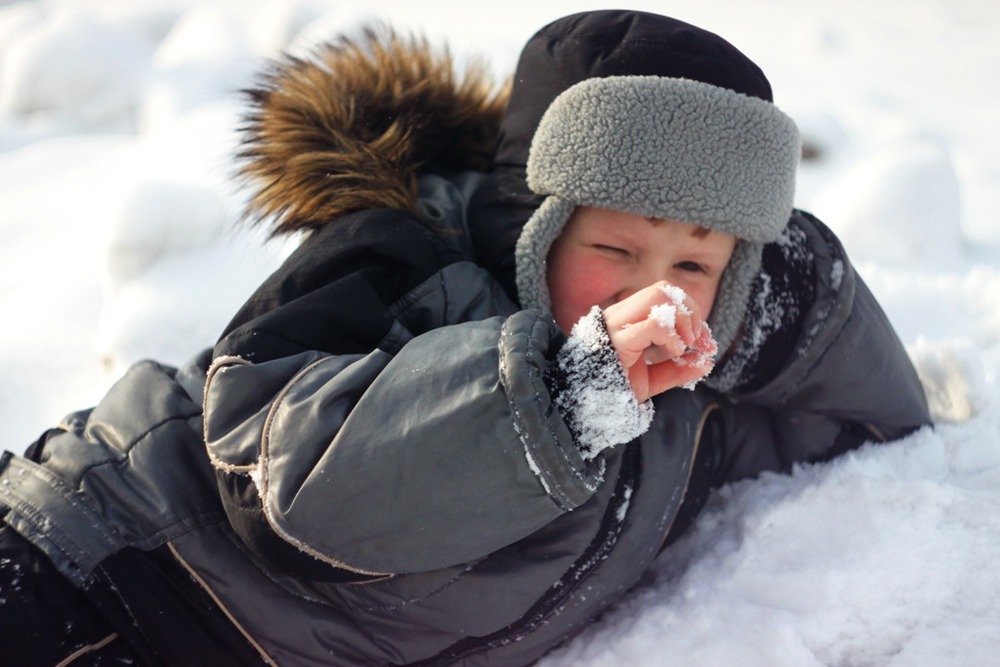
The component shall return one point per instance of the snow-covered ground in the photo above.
(120, 241)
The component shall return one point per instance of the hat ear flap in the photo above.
(733, 296)
(541, 230)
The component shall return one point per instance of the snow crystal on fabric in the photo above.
(622, 510)
(774, 304)
(597, 401)
(836, 274)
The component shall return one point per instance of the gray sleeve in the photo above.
(439, 455)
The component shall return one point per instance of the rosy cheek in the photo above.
(577, 290)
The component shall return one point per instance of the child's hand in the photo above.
(661, 339)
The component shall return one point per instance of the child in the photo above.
(487, 390)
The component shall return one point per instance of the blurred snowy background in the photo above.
(120, 241)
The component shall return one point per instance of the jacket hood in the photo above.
(349, 128)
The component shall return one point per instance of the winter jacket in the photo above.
(369, 469)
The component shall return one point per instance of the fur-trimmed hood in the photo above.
(350, 127)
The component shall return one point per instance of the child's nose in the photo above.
(640, 278)
(626, 293)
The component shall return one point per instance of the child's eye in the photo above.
(694, 267)
(611, 249)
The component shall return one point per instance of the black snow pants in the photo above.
(141, 609)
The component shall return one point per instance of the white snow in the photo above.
(665, 315)
(116, 122)
(677, 297)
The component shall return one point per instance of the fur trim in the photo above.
(349, 128)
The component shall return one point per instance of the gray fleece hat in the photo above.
(663, 147)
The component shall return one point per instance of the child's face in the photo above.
(603, 256)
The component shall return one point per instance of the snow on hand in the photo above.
(701, 355)
(665, 314)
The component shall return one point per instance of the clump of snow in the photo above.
(665, 314)
(952, 375)
(257, 474)
(836, 274)
(677, 297)
(622, 510)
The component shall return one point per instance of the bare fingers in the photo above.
(660, 339)
(655, 323)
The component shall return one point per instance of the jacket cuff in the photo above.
(592, 392)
